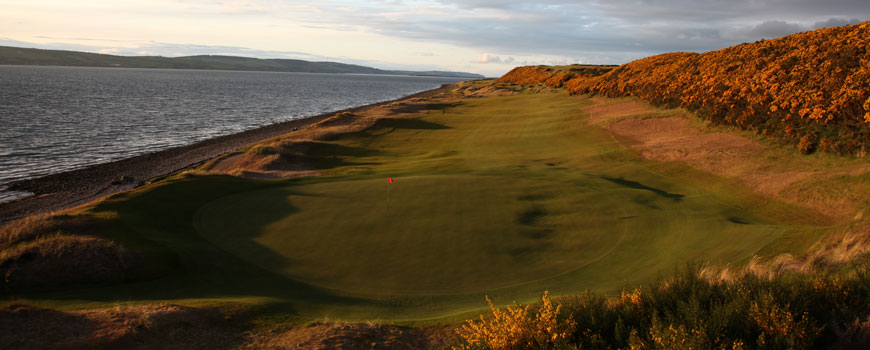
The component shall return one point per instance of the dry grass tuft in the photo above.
(855, 335)
(343, 118)
(830, 253)
(51, 250)
(288, 155)
(25, 229)
(325, 336)
(158, 326)
(62, 259)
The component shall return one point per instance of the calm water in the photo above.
(54, 119)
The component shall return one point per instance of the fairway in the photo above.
(500, 196)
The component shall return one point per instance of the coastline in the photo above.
(80, 186)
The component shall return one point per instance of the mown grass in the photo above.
(500, 196)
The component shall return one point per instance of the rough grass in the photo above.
(25, 229)
(156, 326)
(48, 250)
(59, 259)
(828, 309)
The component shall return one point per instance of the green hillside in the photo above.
(38, 57)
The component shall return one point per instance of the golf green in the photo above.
(451, 234)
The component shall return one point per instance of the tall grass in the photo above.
(822, 309)
(25, 229)
(51, 249)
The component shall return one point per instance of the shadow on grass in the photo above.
(407, 123)
(532, 197)
(325, 149)
(414, 108)
(323, 155)
(531, 216)
(316, 155)
(737, 220)
(386, 126)
(159, 223)
(441, 106)
(640, 186)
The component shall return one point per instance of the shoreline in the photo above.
(72, 188)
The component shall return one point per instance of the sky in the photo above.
(482, 36)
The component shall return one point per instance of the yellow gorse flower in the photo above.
(517, 327)
(789, 87)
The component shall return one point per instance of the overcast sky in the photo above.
(482, 36)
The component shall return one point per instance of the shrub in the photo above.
(690, 311)
(807, 144)
(518, 327)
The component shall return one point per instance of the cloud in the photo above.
(776, 28)
(75, 38)
(767, 30)
(596, 31)
(487, 58)
(542, 31)
(835, 22)
(700, 11)
(477, 4)
(242, 8)
(560, 61)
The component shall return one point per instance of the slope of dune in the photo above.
(809, 89)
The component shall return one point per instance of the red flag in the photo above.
(390, 179)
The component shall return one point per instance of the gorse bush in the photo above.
(552, 76)
(794, 311)
(809, 88)
(518, 327)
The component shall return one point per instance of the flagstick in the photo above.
(389, 187)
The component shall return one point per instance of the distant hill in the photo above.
(24, 56)
(811, 89)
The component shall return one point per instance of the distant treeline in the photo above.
(811, 89)
(38, 57)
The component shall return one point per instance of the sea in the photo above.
(55, 119)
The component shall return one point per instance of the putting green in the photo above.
(419, 235)
(456, 234)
